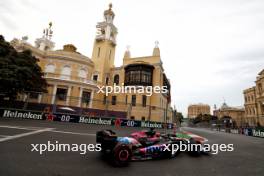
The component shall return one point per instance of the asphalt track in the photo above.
(16, 158)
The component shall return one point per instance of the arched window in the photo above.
(50, 68)
(66, 72)
(83, 73)
(116, 79)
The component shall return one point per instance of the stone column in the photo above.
(39, 98)
(91, 99)
(25, 97)
(68, 96)
(54, 94)
(80, 97)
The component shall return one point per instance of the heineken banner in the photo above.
(10, 113)
(64, 117)
(258, 132)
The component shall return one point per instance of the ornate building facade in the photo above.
(74, 79)
(254, 102)
(196, 109)
(235, 115)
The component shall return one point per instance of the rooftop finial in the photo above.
(128, 47)
(156, 44)
(156, 51)
(109, 14)
(44, 43)
(47, 33)
(127, 53)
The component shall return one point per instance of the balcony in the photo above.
(138, 74)
(70, 78)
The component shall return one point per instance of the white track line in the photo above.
(3, 135)
(69, 132)
(20, 127)
(24, 134)
(38, 129)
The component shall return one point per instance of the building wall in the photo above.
(254, 102)
(197, 109)
(156, 104)
(103, 58)
(236, 114)
(250, 106)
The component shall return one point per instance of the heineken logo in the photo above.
(258, 133)
(97, 121)
(21, 114)
(151, 125)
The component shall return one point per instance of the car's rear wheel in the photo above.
(169, 154)
(178, 143)
(122, 156)
(198, 149)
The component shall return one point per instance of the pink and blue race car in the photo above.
(145, 145)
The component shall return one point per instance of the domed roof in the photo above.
(224, 106)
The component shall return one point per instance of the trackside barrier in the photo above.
(255, 132)
(258, 132)
(66, 117)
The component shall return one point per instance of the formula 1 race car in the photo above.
(144, 145)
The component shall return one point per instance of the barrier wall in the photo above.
(74, 118)
(255, 132)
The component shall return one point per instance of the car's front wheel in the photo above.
(171, 153)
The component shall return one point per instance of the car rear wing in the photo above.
(107, 138)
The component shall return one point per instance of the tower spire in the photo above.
(104, 45)
(127, 53)
(156, 50)
(106, 30)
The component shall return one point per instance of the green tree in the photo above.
(19, 72)
(179, 116)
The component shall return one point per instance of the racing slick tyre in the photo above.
(197, 147)
(169, 154)
(178, 143)
(122, 156)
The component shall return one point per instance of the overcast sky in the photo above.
(211, 49)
